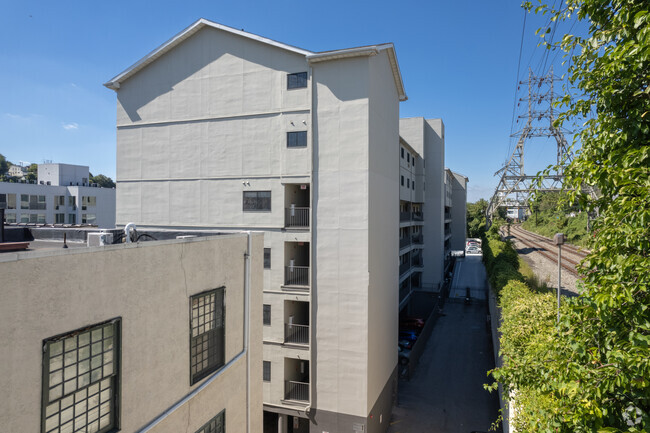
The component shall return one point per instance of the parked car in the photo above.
(405, 344)
(408, 335)
(411, 322)
(403, 355)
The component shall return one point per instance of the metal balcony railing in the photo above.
(404, 242)
(403, 292)
(405, 216)
(296, 391)
(417, 261)
(404, 267)
(298, 334)
(417, 239)
(296, 217)
(296, 275)
(418, 216)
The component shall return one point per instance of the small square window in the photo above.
(267, 258)
(266, 374)
(297, 139)
(266, 319)
(297, 80)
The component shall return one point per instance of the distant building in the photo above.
(458, 211)
(516, 214)
(158, 337)
(61, 195)
(17, 171)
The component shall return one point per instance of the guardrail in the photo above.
(296, 391)
(296, 217)
(296, 275)
(298, 334)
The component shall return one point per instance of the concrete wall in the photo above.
(148, 285)
(458, 211)
(63, 174)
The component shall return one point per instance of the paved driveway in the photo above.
(446, 395)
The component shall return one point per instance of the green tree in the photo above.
(103, 181)
(476, 218)
(595, 375)
(32, 173)
(4, 165)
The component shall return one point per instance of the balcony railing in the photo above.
(405, 216)
(296, 275)
(417, 239)
(296, 391)
(298, 334)
(404, 242)
(418, 216)
(417, 261)
(404, 267)
(296, 217)
(403, 292)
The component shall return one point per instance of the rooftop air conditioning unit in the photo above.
(99, 239)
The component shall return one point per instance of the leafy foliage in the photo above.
(594, 375)
(4, 165)
(476, 218)
(103, 181)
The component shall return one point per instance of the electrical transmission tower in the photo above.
(515, 187)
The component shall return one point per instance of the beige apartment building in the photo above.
(220, 129)
(160, 336)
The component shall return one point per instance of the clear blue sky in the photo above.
(458, 60)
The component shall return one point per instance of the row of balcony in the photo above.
(411, 216)
(408, 240)
(416, 262)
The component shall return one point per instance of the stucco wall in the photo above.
(148, 285)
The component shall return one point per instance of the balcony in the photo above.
(296, 275)
(403, 268)
(404, 242)
(296, 391)
(418, 216)
(418, 239)
(417, 261)
(297, 334)
(404, 291)
(405, 216)
(296, 217)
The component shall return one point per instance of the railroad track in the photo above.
(547, 249)
(565, 248)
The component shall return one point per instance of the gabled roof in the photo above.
(312, 57)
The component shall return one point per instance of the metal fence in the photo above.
(296, 217)
(296, 391)
(298, 334)
(296, 275)
(404, 242)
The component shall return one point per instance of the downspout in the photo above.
(244, 352)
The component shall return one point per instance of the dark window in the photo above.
(402, 149)
(402, 180)
(297, 139)
(408, 183)
(266, 319)
(413, 185)
(267, 258)
(257, 201)
(297, 80)
(266, 374)
(80, 380)
(215, 425)
(207, 338)
(408, 157)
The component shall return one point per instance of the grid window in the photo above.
(207, 338)
(266, 373)
(24, 201)
(10, 217)
(80, 375)
(297, 139)
(257, 201)
(59, 201)
(267, 258)
(59, 218)
(7, 201)
(88, 201)
(297, 80)
(266, 319)
(72, 218)
(215, 425)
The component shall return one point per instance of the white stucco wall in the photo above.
(148, 285)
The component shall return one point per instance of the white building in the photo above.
(142, 337)
(17, 171)
(219, 129)
(62, 195)
(457, 187)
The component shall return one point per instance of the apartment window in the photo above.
(24, 218)
(408, 183)
(413, 184)
(267, 258)
(255, 201)
(24, 201)
(72, 202)
(59, 201)
(88, 218)
(408, 157)
(215, 425)
(402, 180)
(40, 218)
(297, 139)
(72, 218)
(10, 217)
(266, 319)
(266, 373)
(207, 338)
(88, 201)
(7, 201)
(402, 152)
(80, 380)
(59, 218)
(297, 80)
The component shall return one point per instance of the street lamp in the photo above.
(559, 241)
